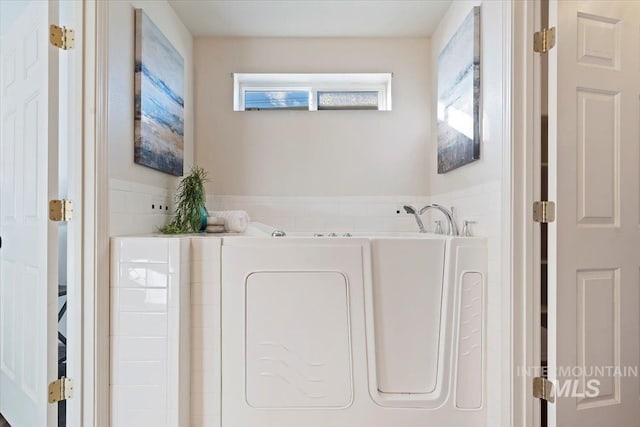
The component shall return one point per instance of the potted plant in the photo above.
(191, 214)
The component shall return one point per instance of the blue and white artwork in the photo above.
(459, 96)
(159, 99)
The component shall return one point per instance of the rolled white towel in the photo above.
(215, 229)
(215, 220)
(234, 221)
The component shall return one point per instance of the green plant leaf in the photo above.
(190, 199)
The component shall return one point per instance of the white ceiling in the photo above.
(311, 18)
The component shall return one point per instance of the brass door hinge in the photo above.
(544, 212)
(61, 389)
(60, 210)
(62, 37)
(543, 389)
(544, 40)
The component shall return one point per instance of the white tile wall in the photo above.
(325, 214)
(137, 208)
(150, 355)
(205, 332)
(479, 203)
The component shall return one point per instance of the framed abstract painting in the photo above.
(459, 85)
(159, 99)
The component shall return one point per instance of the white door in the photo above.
(28, 257)
(594, 244)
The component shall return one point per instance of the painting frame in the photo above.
(459, 96)
(159, 99)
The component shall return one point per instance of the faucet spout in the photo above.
(453, 228)
(413, 211)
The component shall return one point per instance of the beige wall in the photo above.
(137, 193)
(121, 66)
(327, 153)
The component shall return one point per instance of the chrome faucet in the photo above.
(453, 228)
(413, 211)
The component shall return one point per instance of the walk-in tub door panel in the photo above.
(297, 341)
(407, 283)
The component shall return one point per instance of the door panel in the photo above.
(292, 326)
(28, 147)
(594, 244)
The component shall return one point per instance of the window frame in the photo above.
(313, 83)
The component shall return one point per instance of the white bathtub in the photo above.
(375, 329)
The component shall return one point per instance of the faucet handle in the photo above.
(438, 229)
(466, 228)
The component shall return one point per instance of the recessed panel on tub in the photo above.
(407, 283)
(297, 341)
(598, 335)
(469, 371)
(598, 151)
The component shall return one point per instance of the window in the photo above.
(312, 92)
(272, 99)
(348, 100)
